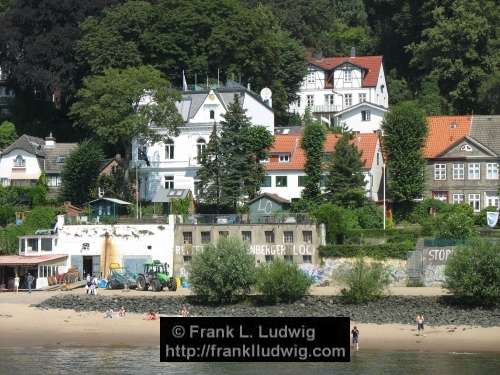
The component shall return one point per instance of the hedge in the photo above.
(397, 250)
(403, 232)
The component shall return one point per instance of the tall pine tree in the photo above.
(209, 191)
(346, 183)
(312, 143)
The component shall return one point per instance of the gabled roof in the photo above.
(33, 145)
(486, 130)
(443, 132)
(53, 153)
(370, 64)
(274, 197)
(471, 140)
(362, 104)
(290, 143)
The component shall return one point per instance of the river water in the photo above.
(41, 361)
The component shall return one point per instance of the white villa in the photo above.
(174, 164)
(345, 90)
(285, 174)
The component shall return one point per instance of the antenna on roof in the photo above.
(217, 77)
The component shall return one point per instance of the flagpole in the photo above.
(136, 192)
(385, 209)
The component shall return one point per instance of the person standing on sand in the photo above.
(420, 323)
(30, 280)
(88, 284)
(355, 337)
(16, 283)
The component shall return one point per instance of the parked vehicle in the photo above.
(156, 275)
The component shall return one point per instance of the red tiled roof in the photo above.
(371, 64)
(290, 144)
(17, 260)
(443, 131)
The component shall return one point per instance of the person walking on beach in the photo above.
(30, 280)
(93, 286)
(420, 323)
(355, 337)
(88, 284)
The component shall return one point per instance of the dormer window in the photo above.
(212, 114)
(347, 75)
(19, 162)
(284, 158)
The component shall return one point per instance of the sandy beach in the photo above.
(25, 326)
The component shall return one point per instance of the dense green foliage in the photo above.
(455, 224)
(7, 134)
(312, 143)
(115, 185)
(397, 250)
(338, 221)
(230, 167)
(473, 272)
(365, 281)
(282, 281)
(109, 105)
(38, 218)
(80, 173)
(346, 182)
(405, 129)
(224, 272)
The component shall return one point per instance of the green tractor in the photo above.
(156, 275)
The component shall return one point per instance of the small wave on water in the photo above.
(137, 361)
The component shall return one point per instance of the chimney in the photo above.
(50, 141)
(353, 51)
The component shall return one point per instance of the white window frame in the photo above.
(309, 101)
(169, 150)
(491, 199)
(201, 146)
(362, 97)
(365, 115)
(440, 195)
(347, 100)
(169, 182)
(329, 99)
(474, 171)
(492, 171)
(439, 172)
(284, 158)
(458, 171)
(348, 75)
(458, 198)
(474, 201)
(311, 77)
(19, 162)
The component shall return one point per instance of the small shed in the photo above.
(108, 207)
(267, 204)
(165, 197)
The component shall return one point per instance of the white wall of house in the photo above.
(353, 119)
(8, 170)
(184, 165)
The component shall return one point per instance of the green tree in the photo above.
(110, 106)
(489, 93)
(339, 221)
(429, 98)
(398, 88)
(80, 173)
(223, 272)
(236, 157)
(455, 222)
(473, 272)
(210, 172)
(405, 129)
(115, 184)
(7, 134)
(457, 48)
(346, 182)
(175, 35)
(312, 143)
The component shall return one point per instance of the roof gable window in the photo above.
(19, 162)
(284, 158)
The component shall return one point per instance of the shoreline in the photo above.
(25, 326)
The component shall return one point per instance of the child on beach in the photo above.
(88, 284)
(108, 314)
(121, 312)
(151, 315)
(355, 337)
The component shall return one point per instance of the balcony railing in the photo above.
(326, 108)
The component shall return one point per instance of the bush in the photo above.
(370, 216)
(397, 250)
(282, 281)
(338, 221)
(422, 210)
(473, 272)
(7, 215)
(455, 225)
(223, 272)
(365, 281)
